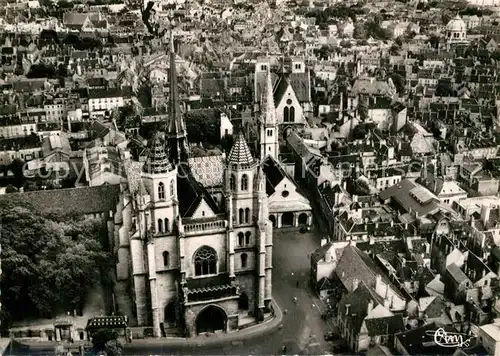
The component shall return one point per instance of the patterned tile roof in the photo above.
(107, 322)
(240, 152)
(157, 160)
(208, 170)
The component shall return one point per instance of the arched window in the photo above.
(165, 258)
(241, 216)
(244, 260)
(167, 225)
(244, 182)
(161, 191)
(247, 215)
(205, 261)
(247, 238)
(241, 239)
(172, 187)
(160, 225)
(232, 182)
(286, 112)
(292, 114)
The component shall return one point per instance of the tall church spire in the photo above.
(268, 123)
(268, 110)
(176, 128)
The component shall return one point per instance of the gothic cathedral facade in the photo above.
(199, 264)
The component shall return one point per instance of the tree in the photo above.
(17, 168)
(394, 50)
(102, 337)
(361, 187)
(203, 126)
(434, 41)
(399, 82)
(113, 348)
(227, 143)
(360, 32)
(374, 30)
(62, 70)
(48, 260)
(11, 189)
(444, 88)
(41, 71)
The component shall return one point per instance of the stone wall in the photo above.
(248, 284)
(141, 302)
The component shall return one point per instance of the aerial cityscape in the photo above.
(227, 177)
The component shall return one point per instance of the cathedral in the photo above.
(198, 257)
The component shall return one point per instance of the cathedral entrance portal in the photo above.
(287, 219)
(211, 319)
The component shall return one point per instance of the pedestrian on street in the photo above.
(285, 311)
(297, 284)
(295, 300)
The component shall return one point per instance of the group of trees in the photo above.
(82, 43)
(49, 261)
(44, 70)
(203, 126)
(324, 17)
(471, 11)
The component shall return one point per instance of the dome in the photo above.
(456, 25)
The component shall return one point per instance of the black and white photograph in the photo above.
(249, 177)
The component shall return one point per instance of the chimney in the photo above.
(324, 242)
(370, 307)
(328, 256)
(485, 213)
(355, 284)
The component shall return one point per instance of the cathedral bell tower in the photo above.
(250, 233)
(159, 178)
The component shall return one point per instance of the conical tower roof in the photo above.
(268, 110)
(240, 153)
(157, 160)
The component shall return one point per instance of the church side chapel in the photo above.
(290, 88)
(200, 256)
